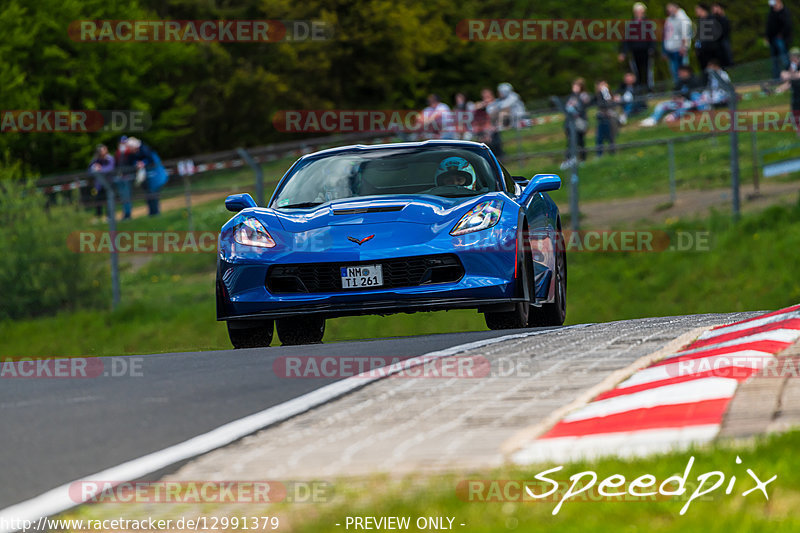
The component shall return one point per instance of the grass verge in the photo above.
(491, 501)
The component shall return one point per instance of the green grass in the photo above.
(420, 496)
(748, 266)
(642, 171)
(445, 495)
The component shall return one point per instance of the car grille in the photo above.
(361, 210)
(400, 272)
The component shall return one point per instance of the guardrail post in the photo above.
(573, 181)
(671, 153)
(735, 194)
(185, 172)
(259, 175)
(112, 230)
(756, 173)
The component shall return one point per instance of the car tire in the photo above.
(258, 335)
(520, 316)
(554, 314)
(300, 330)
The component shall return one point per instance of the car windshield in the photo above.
(440, 171)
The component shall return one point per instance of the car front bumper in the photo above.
(488, 280)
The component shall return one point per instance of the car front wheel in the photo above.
(301, 330)
(250, 334)
(520, 315)
(554, 314)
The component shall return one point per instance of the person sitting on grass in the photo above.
(715, 94)
(688, 94)
(630, 97)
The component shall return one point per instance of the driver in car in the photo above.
(456, 171)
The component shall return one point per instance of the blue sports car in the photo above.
(392, 228)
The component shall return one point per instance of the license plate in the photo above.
(357, 277)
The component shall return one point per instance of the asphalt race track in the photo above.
(57, 430)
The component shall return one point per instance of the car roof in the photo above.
(419, 144)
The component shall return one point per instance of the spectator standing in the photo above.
(146, 161)
(639, 49)
(726, 48)
(484, 124)
(606, 117)
(791, 79)
(464, 111)
(576, 105)
(103, 163)
(123, 184)
(435, 117)
(708, 42)
(677, 38)
(779, 35)
(510, 108)
(630, 97)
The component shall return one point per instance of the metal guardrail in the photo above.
(216, 160)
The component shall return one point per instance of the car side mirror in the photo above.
(522, 181)
(237, 202)
(539, 183)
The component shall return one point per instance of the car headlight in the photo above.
(482, 216)
(250, 232)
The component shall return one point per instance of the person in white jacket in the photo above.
(677, 38)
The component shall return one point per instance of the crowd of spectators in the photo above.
(708, 36)
(137, 165)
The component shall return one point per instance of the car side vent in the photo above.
(360, 210)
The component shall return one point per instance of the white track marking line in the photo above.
(58, 499)
(687, 392)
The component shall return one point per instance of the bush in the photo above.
(39, 274)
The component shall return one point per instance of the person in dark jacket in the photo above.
(149, 167)
(708, 43)
(103, 163)
(791, 79)
(779, 35)
(640, 50)
(607, 120)
(576, 105)
(718, 12)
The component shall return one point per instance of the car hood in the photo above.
(417, 209)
